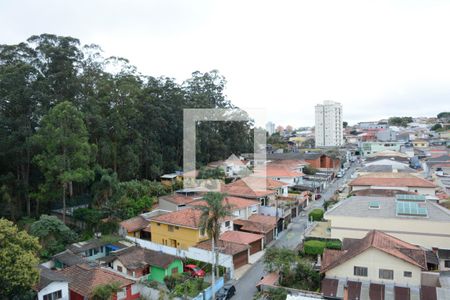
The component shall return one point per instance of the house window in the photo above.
(170, 228)
(360, 271)
(447, 263)
(119, 268)
(53, 296)
(407, 274)
(386, 274)
(176, 227)
(227, 224)
(159, 224)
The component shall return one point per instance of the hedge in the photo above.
(316, 214)
(314, 247)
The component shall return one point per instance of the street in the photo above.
(289, 238)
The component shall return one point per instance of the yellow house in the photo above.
(420, 144)
(180, 229)
(378, 257)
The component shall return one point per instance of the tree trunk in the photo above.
(64, 203)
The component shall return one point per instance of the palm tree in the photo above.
(212, 215)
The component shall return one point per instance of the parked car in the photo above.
(194, 271)
(226, 292)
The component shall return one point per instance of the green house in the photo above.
(141, 263)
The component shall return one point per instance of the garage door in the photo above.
(240, 259)
(269, 237)
(255, 247)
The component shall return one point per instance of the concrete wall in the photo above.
(192, 253)
(415, 231)
(420, 190)
(54, 287)
(374, 260)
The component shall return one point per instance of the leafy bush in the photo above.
(313, 247)
(336, 245)
(316, 214)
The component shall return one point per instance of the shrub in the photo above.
(336, 245)
(313, 247)
(316, 214)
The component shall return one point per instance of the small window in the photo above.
(170, 228)
(407, 274)
(447, 263)
(386, 274)
(360, 271)
(119, 268)
(53, 296)
(227, 224)
(159, 224)
(177, 227)
(374, 204)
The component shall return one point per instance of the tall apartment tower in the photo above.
(329, 128)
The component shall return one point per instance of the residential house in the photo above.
(181, 229)
(369, 148)
(411, 218)
(240, 207)
(268, 230)
(232, 167)
(378, 258)
(66, 259)
(138, 262)
(419, 143)
(83, 279)
(242, 188)
(395, 181)
(239, 252)
(254, 241)
(170, 179)
(177, 201)
(135, 227)
(281, 173)
(51, 285)
(95, 248)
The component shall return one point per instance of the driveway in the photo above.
(289, 238)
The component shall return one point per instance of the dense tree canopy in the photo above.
(18, 261)
(400, 121)
(133, 122)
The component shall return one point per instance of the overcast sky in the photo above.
(378, 58)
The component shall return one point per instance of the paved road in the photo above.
(290, 238)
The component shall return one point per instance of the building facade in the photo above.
(329, 128)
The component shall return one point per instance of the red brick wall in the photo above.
(323, 162)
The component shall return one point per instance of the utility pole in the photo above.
(213, 270)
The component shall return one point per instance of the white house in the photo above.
(51, 285)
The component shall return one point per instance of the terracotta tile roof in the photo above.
(263, 183)
(279, 171)
(179, 199)
(252, 226)
(189, 217)
(83, 278)
(240, 237)
(137, 257)
(269, 279)
(224, 247)
(135, 224)
(394, 179)
(378, 240)
(240, 188)
(270, 220)
(233, 202)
